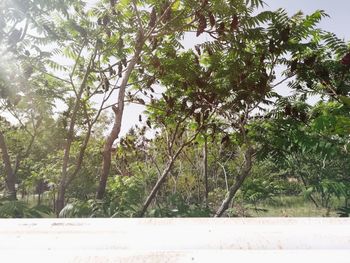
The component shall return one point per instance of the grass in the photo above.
(292, 206)
(282, 206)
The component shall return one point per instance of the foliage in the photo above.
(176, 206)
(344, 211)
(217, 134)
(20, 209)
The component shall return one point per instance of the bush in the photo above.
(20, 209)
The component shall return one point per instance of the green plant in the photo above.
(20, 209)
(343, 211)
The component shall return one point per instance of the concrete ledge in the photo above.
(175, 240)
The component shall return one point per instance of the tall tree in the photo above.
(149, 28)
(10, 176)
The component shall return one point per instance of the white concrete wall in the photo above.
(175, 240)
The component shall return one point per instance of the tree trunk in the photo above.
(39, 198)
(64, 180)
(157, 186)
(162, 178)
(66, 157)
(114, 134)
(239, 181)
(68, 178)
(60, 198)
(205, 170)
(10, 176)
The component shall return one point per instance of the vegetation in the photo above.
(218, 136)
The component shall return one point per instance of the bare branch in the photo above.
(138, 15)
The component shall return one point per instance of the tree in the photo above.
(215, 121)
(72, 83)
(10, 177)
(156, 22)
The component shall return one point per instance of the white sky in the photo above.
(337, 9)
